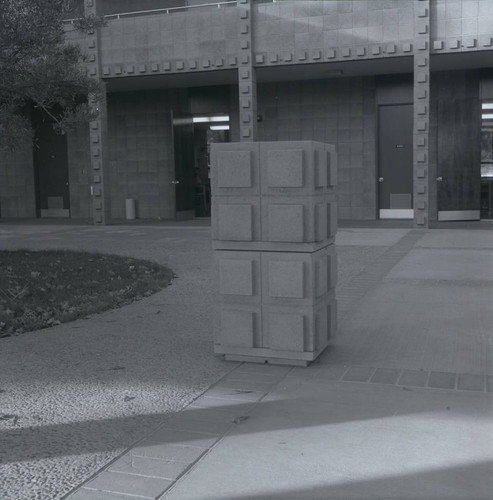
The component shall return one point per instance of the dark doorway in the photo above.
(51, 169)
(395, 161)
(192, 139)
(184, 166)
(487, 199)
(204, 137)
(459, 172)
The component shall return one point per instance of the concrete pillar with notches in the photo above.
(274, 220)
(421, 113)
(247, 79)
(97, 128)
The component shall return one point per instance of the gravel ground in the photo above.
(81, 393)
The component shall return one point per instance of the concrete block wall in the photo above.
(336, 111)
(17, 197)
(320, 31)
(289, 32)
(461, 25)
(140, 151)
(194, 40)
(273, 226)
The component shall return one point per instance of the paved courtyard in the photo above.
(399, 406)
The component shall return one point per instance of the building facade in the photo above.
(402, 88)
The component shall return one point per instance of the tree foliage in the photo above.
(39, 68)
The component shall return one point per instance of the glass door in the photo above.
(487, 160)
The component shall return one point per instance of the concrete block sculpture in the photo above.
(274, 220)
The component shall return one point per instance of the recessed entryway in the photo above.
(192, 139)
(50, 168)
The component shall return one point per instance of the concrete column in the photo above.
(421, 120)
(247, 79)
(274, 221)
(97, 128)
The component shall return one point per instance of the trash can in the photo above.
(130, 209)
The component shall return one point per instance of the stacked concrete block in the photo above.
(274, 219)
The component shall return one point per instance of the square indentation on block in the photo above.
(320, 221)
(332, 269)
(236, 277)
(286, 223)
(321, 331)
(321, 275)
(286, 332)
(331, 170)
(331, 219)
(234, 169)
(237, 328)
(285, 168)
(321, 171)
(286, 279)
(235, 222)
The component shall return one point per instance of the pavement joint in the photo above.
(237, 409)
(403, 378)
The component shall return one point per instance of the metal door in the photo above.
(395, 161)
(184, 180)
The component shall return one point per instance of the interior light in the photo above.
(487, 116)
(210, 119)
(487, 105)
(219, 127)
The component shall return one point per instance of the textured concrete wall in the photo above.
(140, 154)
(337, 111)
(17, 182)
(290, 32)
(305, 29)
(461, 25)
(194, 40)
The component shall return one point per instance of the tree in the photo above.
(39, 68)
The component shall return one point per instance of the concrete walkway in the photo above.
(399, 406)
